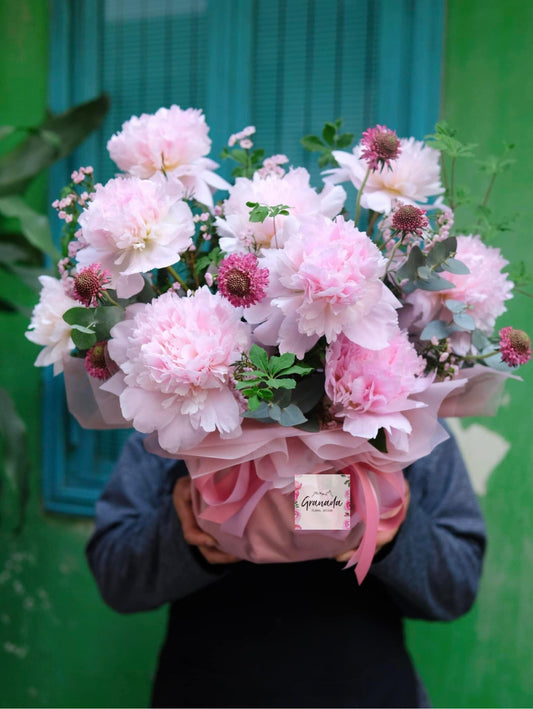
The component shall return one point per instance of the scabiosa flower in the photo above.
(515, 346)
(97, 362)
(380, 146)
(90, 284)
(413, 176)
(409, 219)
(176, 358)
(47, 326)
(132, 226)
(371, 389)
(326, 280)
(238, 233)
(241, 281)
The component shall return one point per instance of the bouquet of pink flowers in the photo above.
(268, 336)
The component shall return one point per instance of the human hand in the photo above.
(182, 498)
(387, 535)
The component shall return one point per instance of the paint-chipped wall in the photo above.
(485, 659)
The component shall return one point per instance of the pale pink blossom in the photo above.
(372, 389)
(484, 290)
(241, 135)
(132, 226)
(412, 178)
(173, 141)
(47, 326)
(176, 356)
(293, 189)
(326, 280)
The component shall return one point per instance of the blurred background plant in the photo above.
(25, 242)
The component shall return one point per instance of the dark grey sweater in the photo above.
(289, 635)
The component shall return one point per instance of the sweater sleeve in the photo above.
(137, 552)
(433, 567)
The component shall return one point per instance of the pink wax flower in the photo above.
(380, 146)
(412, 178)
(238, 233)
(515, 346)
(326, 280)
(176, 356)
(47, 326)
(241, 281)
(371, 389)
(90, 284)
(484, 290)
(96, 361)
(172, 141)
(132, 226)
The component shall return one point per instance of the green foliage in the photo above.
(422, 270)
(16, 461)
(330, 140)
(444, 139)
(248, 161)
(266, 383)
(259, 212)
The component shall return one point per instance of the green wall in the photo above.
(60, 646)
(486, 658)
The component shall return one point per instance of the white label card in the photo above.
(322, 501)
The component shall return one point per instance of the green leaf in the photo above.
(328, 133)
(240, 156)
(106, 317)
(34, 226)
(254, 403)
(455, 306)
(442, 250)
(265, 394)
(424, 273)
(258, 214)
(312, 143)
(281, 383)
(19, 166)
(79, 316)
(344, 140)
(291, 416)
(409, 269)
(81, 339)
(453, 265)
(464, 321)
(278, 364)
(297, 369)
(9, 253)
(437, 329)
(258, 358)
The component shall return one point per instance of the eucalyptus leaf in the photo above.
(409, 269)
(291, 416)
(309, 392)
(455, 306)
(437, 329)
(106, 318)
(82, 340)
(79, 316)
(274, 412)
(479, 341)
(435, 283)
(442, 250)
(453, 265)
(464, 321)
(424, 273)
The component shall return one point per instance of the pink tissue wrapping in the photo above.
(243, 487)
(479, 394)
(91, 407)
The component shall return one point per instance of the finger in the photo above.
(346, 555)
(183, 503)
(215, 556)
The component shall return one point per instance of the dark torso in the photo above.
(286, 635)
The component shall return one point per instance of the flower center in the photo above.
(520, 341)
(237, 282)
(386, 145)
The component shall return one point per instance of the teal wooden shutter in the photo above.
(285, 66)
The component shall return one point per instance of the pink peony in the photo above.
(412, 178)
(238, 233)
(326, 280)
(484, 290)
(173, 141)
(132, 226)
(47, 326)
(371, 389)
(176, 356)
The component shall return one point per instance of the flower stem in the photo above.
(112, 300)
(358, 201)
(177, 278)
(489, 190)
